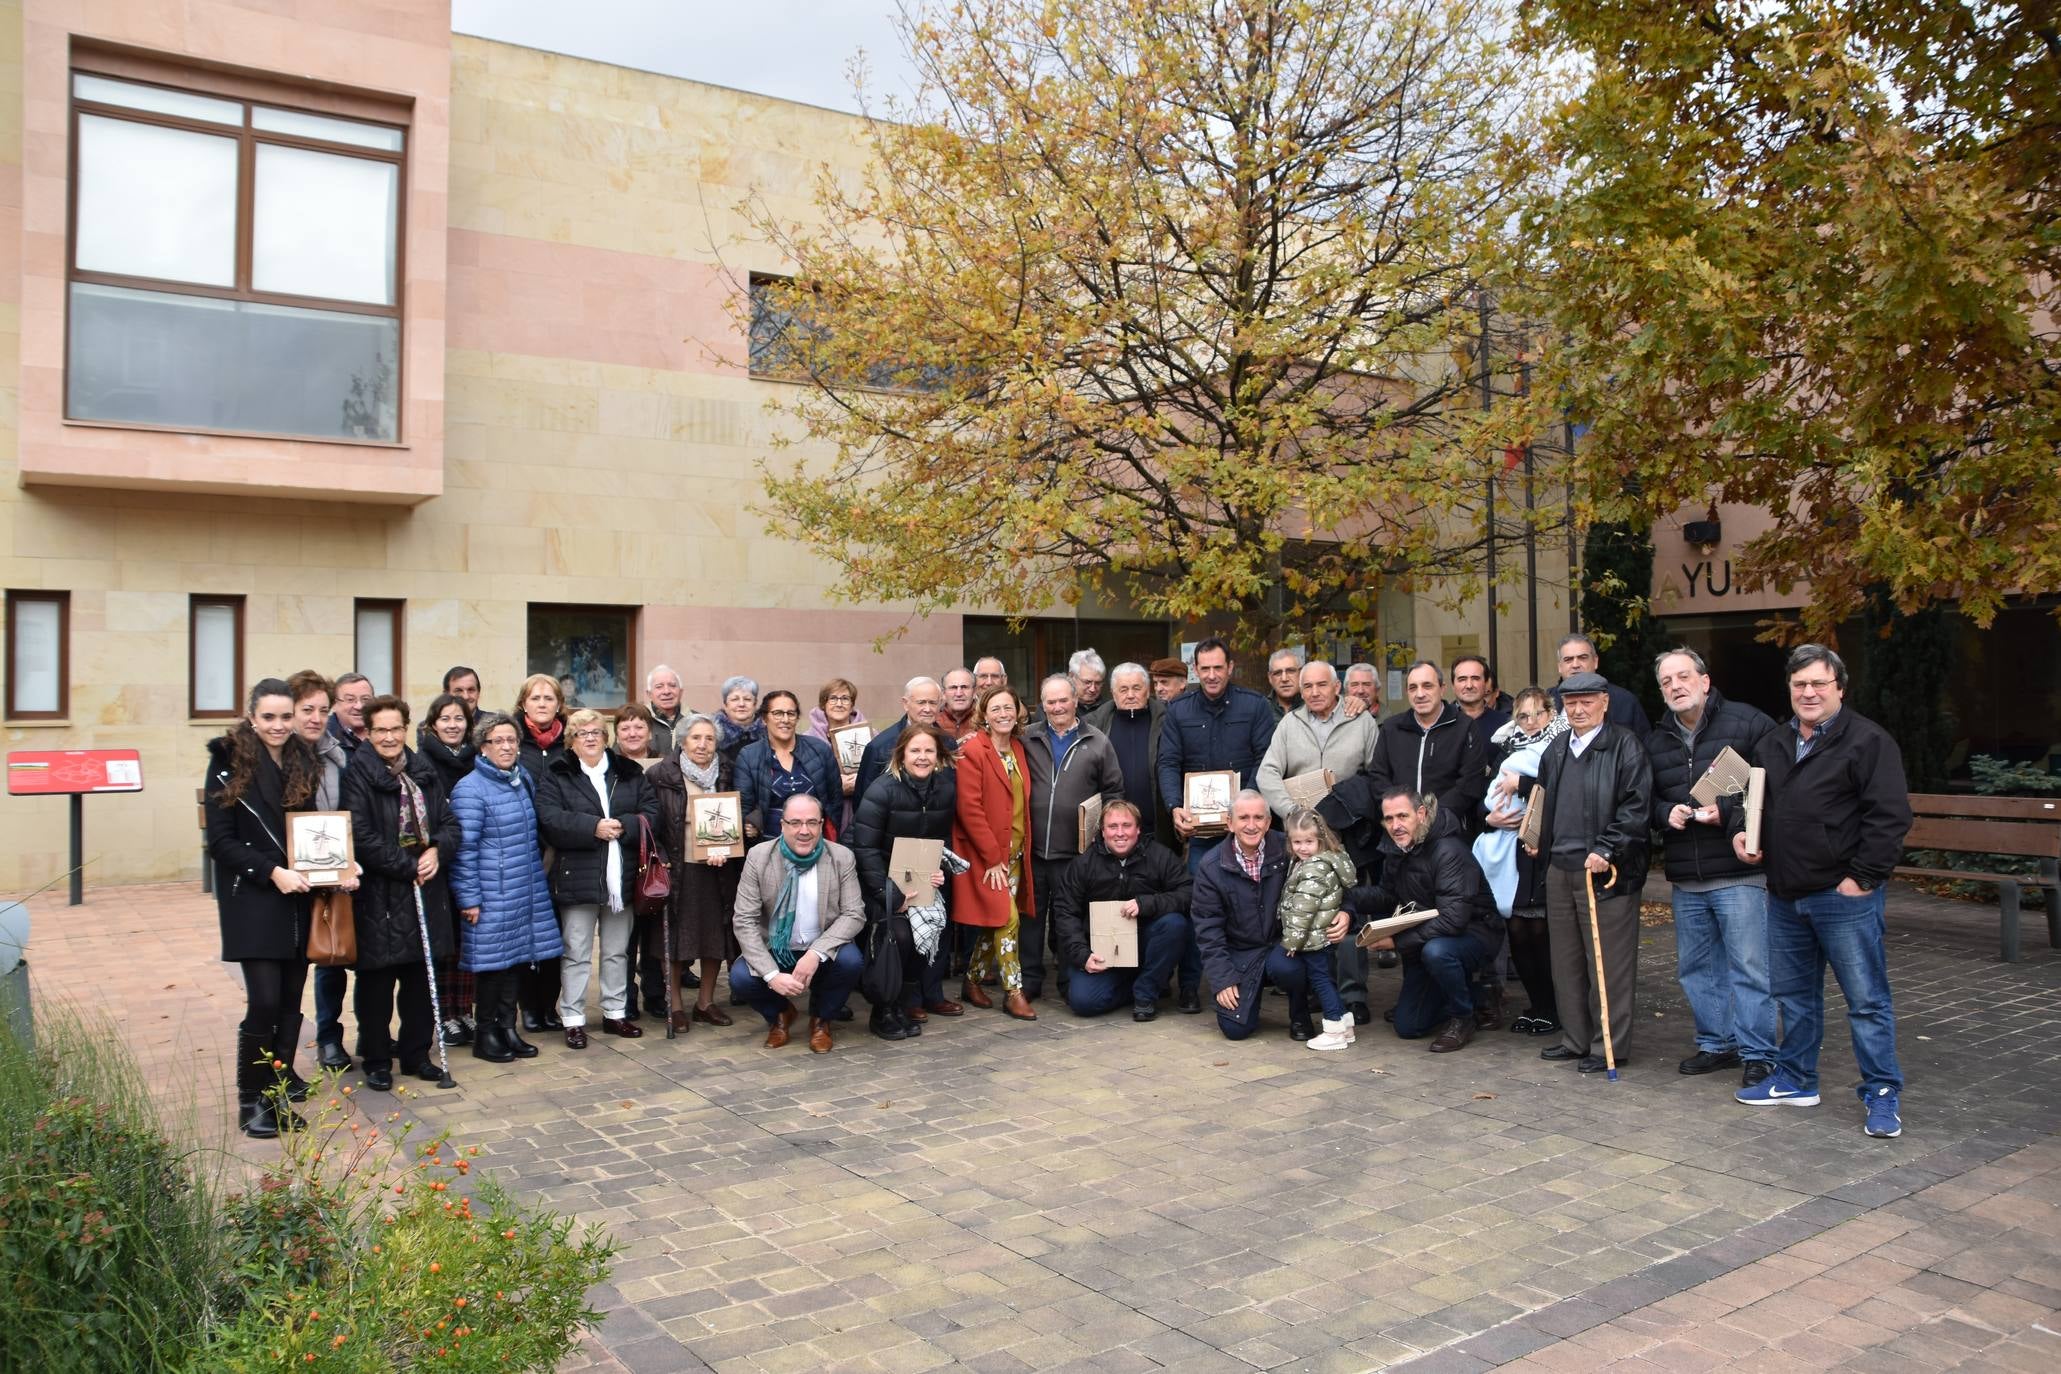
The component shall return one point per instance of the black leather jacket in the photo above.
(1617, 810)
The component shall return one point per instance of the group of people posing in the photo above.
(502, 862)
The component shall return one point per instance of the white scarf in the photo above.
(597, 776)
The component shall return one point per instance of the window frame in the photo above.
(250, 93)
(63, 601)
(194, 602)
(396, 608)
(633, 618)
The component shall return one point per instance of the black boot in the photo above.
(288, 1044)
(510, 990)
(886, 1024)
(254, 1118)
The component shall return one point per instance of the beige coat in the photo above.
(1347, 751)
(837, 900)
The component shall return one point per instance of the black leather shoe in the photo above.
(1300, 1030)
(1756, 1071)
(1593, 1063)
(886, 1025)
(1455, 1035)
(1361, 1016)
(537, 1025)
(296, 1086)
(379, 1080)
(427, 1071)
(909, 1023)
(1144, 1011)
(689, 978)
(491, 1045)
(1385, 959)
(330, 1055)
(1559, 1054)
(844, 1013)
(1389, 1016)
(1189, 1003)
(1704, 1061)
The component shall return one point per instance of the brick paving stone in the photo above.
(1002, 1196)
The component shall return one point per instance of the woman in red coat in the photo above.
(989, 831)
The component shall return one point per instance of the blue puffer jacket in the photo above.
(500, 870)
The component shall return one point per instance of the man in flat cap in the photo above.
(1169, 678)
(1598, 801)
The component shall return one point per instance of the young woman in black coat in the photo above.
(593, 807)
(445, 740)
(914, 799)
(405, 838)
(257, 772)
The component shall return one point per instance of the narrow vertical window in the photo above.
(214, 641)
(379, 644)
(38, 655)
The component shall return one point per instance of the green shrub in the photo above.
(365, 1257)
(110, 1257)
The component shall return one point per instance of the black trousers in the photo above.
(539, 987)
(373, 1001)
(271, 1026)
(1531, 952)
(1033, 931)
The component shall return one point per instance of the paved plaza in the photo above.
(1099, 1195)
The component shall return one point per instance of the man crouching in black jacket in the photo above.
(1153, 884)
(1427, 863)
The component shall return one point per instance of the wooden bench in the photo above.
(2026, 827)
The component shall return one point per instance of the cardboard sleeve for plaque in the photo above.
(1207, 798)
(1726, 777)
(1756, 802)
(1375, 931)
(910, 864)
(1534, 817)
(1307, 789)
(1111, 936)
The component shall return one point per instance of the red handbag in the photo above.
(654, 875)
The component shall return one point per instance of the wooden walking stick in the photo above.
(1602, 988)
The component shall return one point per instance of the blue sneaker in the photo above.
(1776, 1091)
(1883, 1121)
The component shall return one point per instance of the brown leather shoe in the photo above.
(628, 1030)
(945, 1007)
(712, 1016)
(776, 1034)
(1018, 1006)
(576, 1037)
(916, 1014)
(682, 1023)
(1456, 1033)
(973, 995)
(819, 1035)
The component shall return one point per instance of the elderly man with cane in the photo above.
(1593, 828)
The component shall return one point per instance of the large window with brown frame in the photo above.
(214, 656)
(38, 655)
(234, 264)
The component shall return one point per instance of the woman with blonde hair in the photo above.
(540, 720)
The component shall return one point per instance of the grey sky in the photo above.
(795, 49)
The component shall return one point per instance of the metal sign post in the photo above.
(72, 773)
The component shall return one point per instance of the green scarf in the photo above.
(781, 935)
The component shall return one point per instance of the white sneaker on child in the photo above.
(1336, 1035)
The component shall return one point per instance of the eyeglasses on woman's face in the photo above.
(590, 734)
(783, 715)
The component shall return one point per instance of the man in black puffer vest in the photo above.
(1720, 902)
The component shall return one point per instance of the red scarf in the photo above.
(544, 739)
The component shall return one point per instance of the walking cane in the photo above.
(436, 1002)
(665, 932)
(1602, 988)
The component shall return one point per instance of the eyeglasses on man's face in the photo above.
(811, 823)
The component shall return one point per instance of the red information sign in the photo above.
(48, 772)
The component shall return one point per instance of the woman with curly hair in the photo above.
(257, 772)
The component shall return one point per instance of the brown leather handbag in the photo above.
(654, 875)
(333, 933)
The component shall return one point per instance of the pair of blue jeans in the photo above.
(829, 990)
(1806, 934)
(1721, 956)
(1160, 942)
(1438, 984)
(1316, 965)
(1288, 974)
(330, 986)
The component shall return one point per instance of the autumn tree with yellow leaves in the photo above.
(1179, 298)
(1806, 254)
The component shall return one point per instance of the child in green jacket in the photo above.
(1310, 900)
